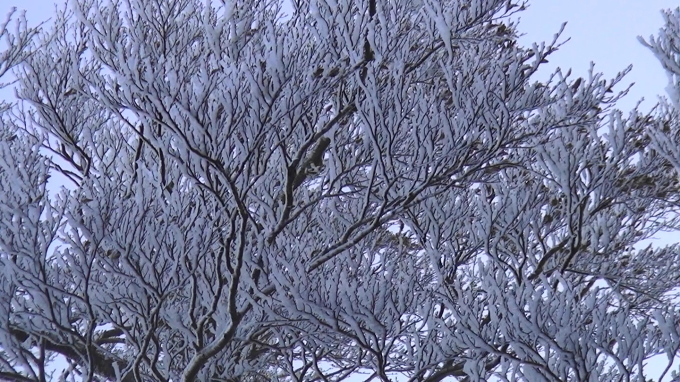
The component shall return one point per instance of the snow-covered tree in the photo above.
(194, 191)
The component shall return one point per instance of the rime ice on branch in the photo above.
(368, 186)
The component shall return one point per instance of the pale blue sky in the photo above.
(605, 32)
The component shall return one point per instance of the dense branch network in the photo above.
(194, 191)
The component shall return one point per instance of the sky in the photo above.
(601, 31)
(604, 32)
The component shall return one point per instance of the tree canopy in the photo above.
(315, 190)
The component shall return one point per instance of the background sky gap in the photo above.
(604, 32)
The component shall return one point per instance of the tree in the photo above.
(371, 187)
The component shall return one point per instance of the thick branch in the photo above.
(102, 362)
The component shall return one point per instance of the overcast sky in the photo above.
(602, 31)
(605, 32)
